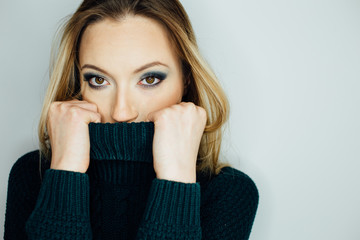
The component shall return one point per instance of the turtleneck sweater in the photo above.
(119, 197)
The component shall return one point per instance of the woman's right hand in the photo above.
(68, 129)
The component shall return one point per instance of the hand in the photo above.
(68, 131)
(178, 132)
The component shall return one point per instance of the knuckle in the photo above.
(165, 114)
(191, 107)
(53, 106)
(94, 106)
(53, 109)
(62, 106)
(74, 111)
(202, 113)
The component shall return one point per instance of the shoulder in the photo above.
(233, 184)
(25, 170)
(232, 175)
(22, 192)
(229, 203)
(26, 160)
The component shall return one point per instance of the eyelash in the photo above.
(157, 75)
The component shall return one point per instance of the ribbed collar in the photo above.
(121, 153)
(121, 141)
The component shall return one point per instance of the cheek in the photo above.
(164, 97)
(104, 109)
(101, 102)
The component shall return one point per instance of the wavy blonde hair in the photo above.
(203, 88)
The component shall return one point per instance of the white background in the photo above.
(291, 70)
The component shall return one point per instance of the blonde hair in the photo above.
(203, 88)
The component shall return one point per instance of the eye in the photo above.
(95, 81)
(152, 79)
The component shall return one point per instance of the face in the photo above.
(129, 69)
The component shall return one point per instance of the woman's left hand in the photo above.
(178, 132)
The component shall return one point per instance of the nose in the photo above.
(124, 110)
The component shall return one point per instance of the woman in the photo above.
(130, 136)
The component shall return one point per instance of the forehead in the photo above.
(130, 42)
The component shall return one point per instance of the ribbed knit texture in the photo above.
(119, 197)
(121, 141)
(61, 211)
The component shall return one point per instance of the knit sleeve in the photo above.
(230, 206)
(22, 192)
(228, 209)
(62, 207)
(172, 211)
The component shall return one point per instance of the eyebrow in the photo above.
(152, 64)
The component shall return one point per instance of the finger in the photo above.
(92, 117)
(203, 115)
(151, 117)
(186, 103)
(90, 106)
(82, 104)
(86, 105)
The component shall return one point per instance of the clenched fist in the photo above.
(178, 132)
(68, 129)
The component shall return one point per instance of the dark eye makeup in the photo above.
(160, 76)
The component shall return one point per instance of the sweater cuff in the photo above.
(173, 203)
(64, 192)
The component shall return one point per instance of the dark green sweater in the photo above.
(119, 197)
